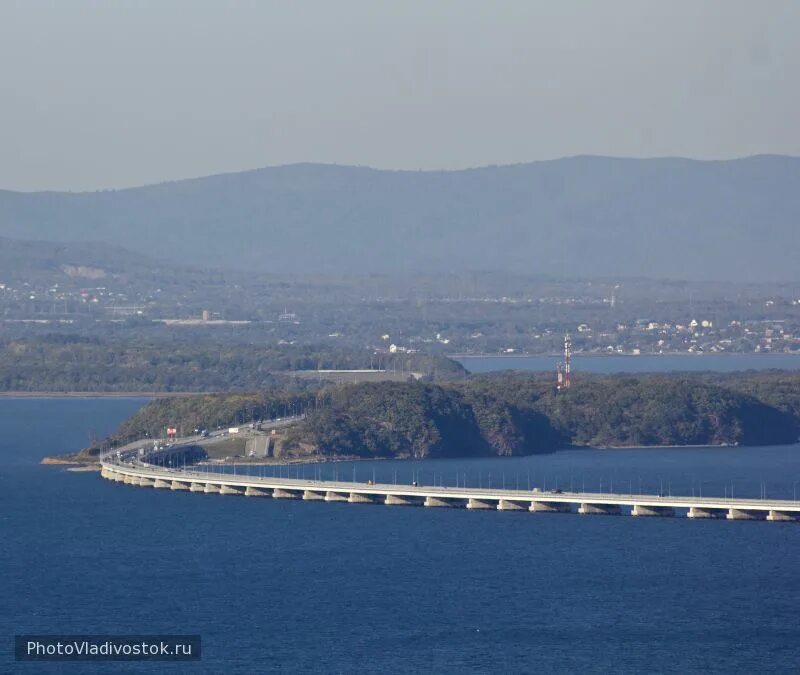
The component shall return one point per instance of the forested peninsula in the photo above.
(74, 363)
(508, 414)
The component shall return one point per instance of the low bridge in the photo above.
(585, 503)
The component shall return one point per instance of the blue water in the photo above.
(294, 586)
(721, 363)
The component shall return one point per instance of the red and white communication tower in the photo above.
(564, 372)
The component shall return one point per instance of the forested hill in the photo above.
(505, 415)
(672, 218)
(521, 415)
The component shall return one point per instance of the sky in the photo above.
(98, 95)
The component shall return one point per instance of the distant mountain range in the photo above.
(576, 217)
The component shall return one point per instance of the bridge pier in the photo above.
(197, 487)
(336, 496)
(781, 516)
(442, 502)
(550, 507)
(146, 482)
(361, 498)
(652, 511)
(511, 505)
(745, 514)
(312, 495)
(230, 490)
(599, 509)
(210, 488)
(256, 492)
(162, 484)
(279, 493)
(127, 479)
(404, 500)
(473, 503)
(179, 485)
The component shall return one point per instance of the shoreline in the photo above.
(67, 460)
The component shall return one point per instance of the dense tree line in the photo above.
(391, 419)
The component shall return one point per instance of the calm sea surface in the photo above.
(722, 363)
(296, 586)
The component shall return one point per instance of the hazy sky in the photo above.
(109, 94)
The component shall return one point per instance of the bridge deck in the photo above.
(452, 495)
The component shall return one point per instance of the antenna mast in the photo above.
(567, 356)
(564, 370)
